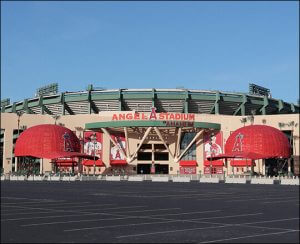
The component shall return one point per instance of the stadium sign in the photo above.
(154, 116)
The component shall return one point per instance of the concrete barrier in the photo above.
(38, 178)
(73, 178)
(181, 179)
(2, 177)
(209, 180)
(65, 178)
(101, 177)
(289, 181)
(113, 178)
(13, 178)
(160, 178)
(21, 177)
(30, 178)
(135, 178)
(267, 181)
(235, 180)
(54, 178)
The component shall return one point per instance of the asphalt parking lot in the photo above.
(148, 212)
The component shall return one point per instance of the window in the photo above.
(160, 146)
(161, 156)
(144, 156)
(146, 146)
(185, 141)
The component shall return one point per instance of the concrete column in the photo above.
(41, 166)
(16, 163)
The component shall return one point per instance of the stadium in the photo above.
(149, 131)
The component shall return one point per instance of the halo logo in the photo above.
(67, 143)
(238, 144)
(153, 113)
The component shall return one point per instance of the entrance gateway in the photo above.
(153, 141)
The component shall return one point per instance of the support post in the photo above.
(188, 147)
(163, 141)
(141, 142)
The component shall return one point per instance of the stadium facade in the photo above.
(164, 131)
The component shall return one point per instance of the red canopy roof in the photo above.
(48, 141)
(256, 142)
(90, 163)
(66, 164)
(188, 163)
(118, 162)
(242, 163)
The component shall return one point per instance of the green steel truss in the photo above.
(141, 100)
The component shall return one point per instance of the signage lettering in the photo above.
(154, 116)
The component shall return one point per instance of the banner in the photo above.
(187, 170)
(214, 170)
(116, 151)
(213, 144)
(93, 143)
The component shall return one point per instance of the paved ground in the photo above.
(137, 212)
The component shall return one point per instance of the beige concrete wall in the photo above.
(228, 124)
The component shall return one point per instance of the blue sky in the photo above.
(198, 45)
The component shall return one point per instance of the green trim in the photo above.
(216, 106)
(186, 102)
(120, 100)
(25, 106)
(280, 105)
(293, 108)
(201, 96)
(66, 107)
(153, 97)
(170, 96)
(105, 96)
(91, 104)
(76, 97)
(186, 96)
(266, 103)
(242, 107)
(136, 95)
(52, 100)
(62, 101)
(146, 123)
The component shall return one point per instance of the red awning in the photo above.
(90, 163)
(118, 162)
(188, 163)
(65, 160)
(48, 141)
(66, 165)
(242, 163)
(214, 163)
(249, 155)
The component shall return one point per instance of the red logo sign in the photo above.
(238, 143)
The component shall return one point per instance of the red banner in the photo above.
(116, 151)
(93, 143)
(188, 170)
(214, 170)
